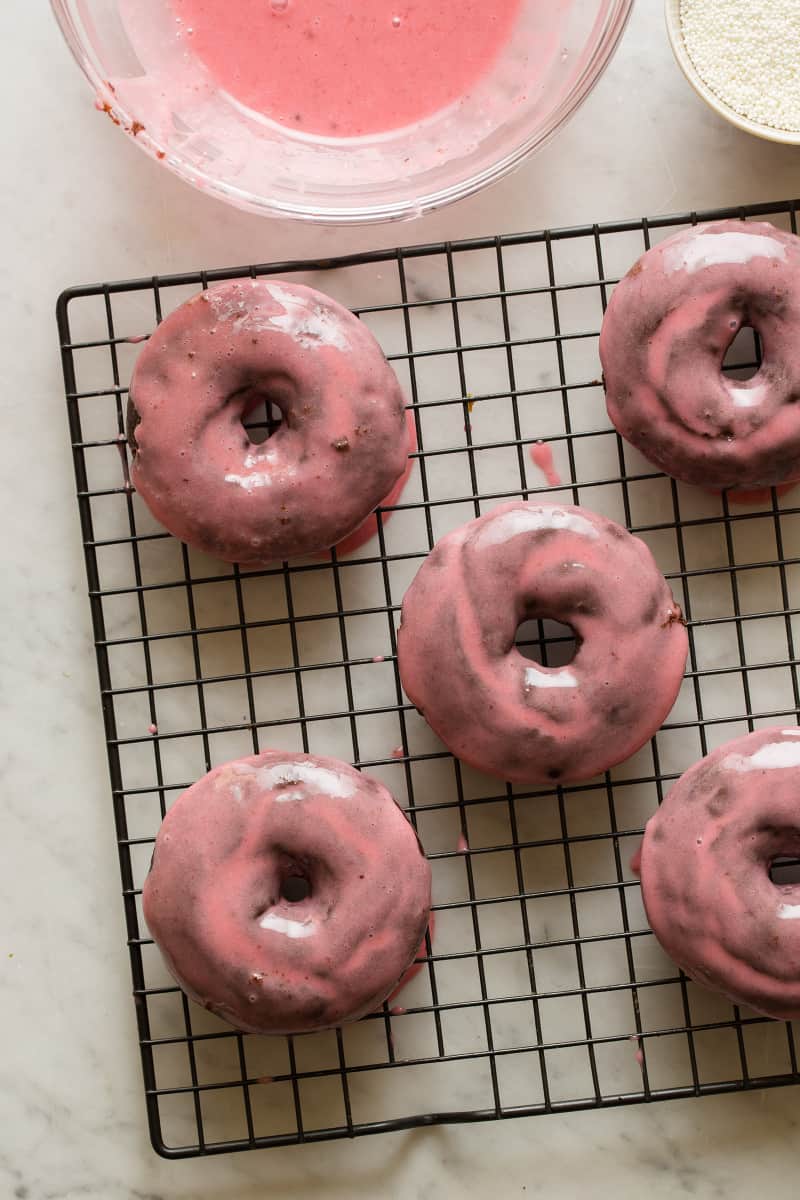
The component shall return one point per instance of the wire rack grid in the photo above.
(542, 988)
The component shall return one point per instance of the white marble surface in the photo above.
(80, 203)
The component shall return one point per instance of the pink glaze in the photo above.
(341, 448)
(668, 328)
(705, 872)
(462, 846)
(761, 495)
(324, 67)
(152, 729)
(369, 529)
(398, 752)
(214, 901)
(419, 963)
(508, 716)
(542, 457)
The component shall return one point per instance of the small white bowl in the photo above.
(672, 10)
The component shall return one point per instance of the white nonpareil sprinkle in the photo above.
(748, 53)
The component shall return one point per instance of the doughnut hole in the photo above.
(743, 357)
(295, 888)
(785, 871)
(297, 878)
(547, 642)
(261, 416)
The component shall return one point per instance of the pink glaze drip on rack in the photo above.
(542, 457)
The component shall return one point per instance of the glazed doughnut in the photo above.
(342, 446)
(225, 898)
(667, 330)
(506, 715)
(705, 863)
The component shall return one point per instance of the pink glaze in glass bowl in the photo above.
(178, 115)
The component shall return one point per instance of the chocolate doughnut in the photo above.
(508, 716)
(667, 330)
(287, 893)
(705, 864)
(341, 448)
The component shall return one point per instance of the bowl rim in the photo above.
(606, 45)
(672, 14)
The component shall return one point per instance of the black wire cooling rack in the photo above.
(542, 988)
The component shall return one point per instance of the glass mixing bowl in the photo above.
(170, 105)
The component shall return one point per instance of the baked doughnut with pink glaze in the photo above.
(342, 446)
(705, 864)
(667, 330)
(287, 893)
(506, 715)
